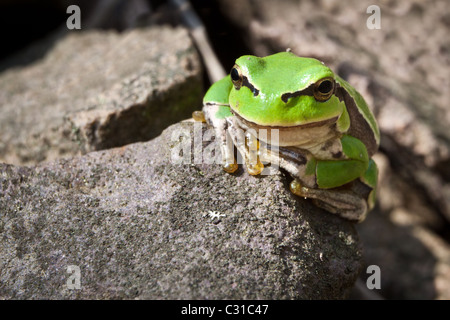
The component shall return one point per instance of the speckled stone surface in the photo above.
(139, 227)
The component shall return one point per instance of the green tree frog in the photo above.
(326, 132)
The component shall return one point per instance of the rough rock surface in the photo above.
(96, 90)
(139, 226)
(402, 71)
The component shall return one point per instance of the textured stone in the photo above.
(139, 226)
(97, 90)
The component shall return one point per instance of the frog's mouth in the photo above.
(322, 123)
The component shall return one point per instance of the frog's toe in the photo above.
(298, 189)
(230, 167)
(199, 116)
(255, 169)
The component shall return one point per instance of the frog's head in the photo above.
(284, 90)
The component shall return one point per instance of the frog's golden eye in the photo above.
(324, 89)
(236, 77)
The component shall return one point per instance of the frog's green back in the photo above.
(219, 92)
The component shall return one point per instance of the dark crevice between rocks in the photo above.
(225, 37)
(444, 169)
(24, 22)
(31, 28)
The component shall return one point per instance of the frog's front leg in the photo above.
(220, 124)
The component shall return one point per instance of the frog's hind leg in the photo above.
(349, 202)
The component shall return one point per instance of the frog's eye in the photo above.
(324, 89)
(236, 77)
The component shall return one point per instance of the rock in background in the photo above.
(402, 71)
(98, 89)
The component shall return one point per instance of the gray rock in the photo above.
(97, 90)
(139, 226)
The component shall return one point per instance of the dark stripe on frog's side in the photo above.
(358, 124)
(290, 153)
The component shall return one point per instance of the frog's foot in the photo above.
(249, 147)
(199, 116)
(255, 169)
(252, 159)
(344, 202)
(220, 126)
(230, 167)
(229, 163)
